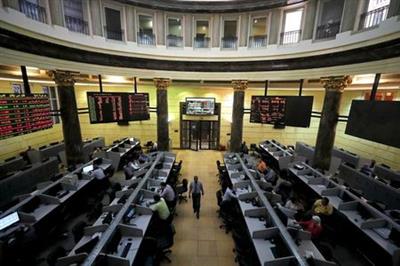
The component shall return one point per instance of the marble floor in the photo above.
(201, 242)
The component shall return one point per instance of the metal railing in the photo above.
(258, 41)
(146, 38)
(33, 11)
(290, 36)
(76, 24)
(328, 30)
(201, 42)
(174, 41)
(114, 34)
(373, 18)
(229, 42)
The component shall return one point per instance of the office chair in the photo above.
(181, 190)
(56, 253)
(161, 245)
(77, 230)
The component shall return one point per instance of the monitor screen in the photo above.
(22, 114)
(200, 106)
(87, 169)
(298, 111)
(267, 109)
(118, 107)
(9, 220)
(377, 121)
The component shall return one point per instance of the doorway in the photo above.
(200, 133)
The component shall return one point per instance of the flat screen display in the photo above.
(298, 111)
(21, 114)
(118, 107)
(377, 121)
(200, 106)
(292, 110)
(267, 109)
(9, 220)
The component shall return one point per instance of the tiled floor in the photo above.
(201, 242)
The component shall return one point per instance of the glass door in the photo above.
(194, 135)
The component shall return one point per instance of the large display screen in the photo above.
(200, 106)
(267, 109)
(117, 107)
(21, 114)
(377, 121)
(291, 110)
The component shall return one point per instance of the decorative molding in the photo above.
(26, 44)
(63, 77)
(336, 83)
(239, 85)
(161, 83)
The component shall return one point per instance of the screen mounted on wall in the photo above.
(21, 114)
(377, 121)
(117, 107)
(292, 110)
(200, 106)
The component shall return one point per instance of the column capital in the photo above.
(161, 83)
(336, 83)
(63, 77)
(239, 85)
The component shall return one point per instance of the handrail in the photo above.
(374, 17)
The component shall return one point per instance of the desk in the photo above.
(276, 154)
(120, 150)
(11, 166)
(351, 207)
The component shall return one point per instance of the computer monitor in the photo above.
(9, 220)
(87, 169)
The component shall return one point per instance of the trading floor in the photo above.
(201, 242)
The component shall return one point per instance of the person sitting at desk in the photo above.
(160, 207)
(244, 148)
(143, 158)
(270, 176)
(134, 164)
(100, 177)
(294, 204)
(313, 226)
(24, 154)
(261, 166)
(168, 194)
(322, 207)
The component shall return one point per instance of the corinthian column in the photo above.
(334, 87)
(162, 113)
(239, 86)
(69, 115)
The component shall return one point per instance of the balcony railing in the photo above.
(113, 34)
(201, 42)
(373, 18)
(290, 36)
(76, 25)
(174, 41)
(229, 42)
(146, 38)
(328, 30)
(258, 41)
(33, 11)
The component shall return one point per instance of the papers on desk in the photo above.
(9, 220)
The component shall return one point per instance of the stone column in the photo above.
(14, 4)
(239, 86)
(309, 20)
(394, 8)
(162, 113)
(334, 87)
(56, 12)
(69, 115)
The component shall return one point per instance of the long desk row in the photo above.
(276, 154)
(372, 188)
(376, 226)
(11, 165)
(57, 149)
(26, 178)
(38, 210)
(113, 236)
(120, 151)
(272, 240)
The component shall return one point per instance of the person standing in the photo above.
(196, 191)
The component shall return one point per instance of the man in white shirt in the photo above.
(98, 173)
(196, 191)
(168, 194)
